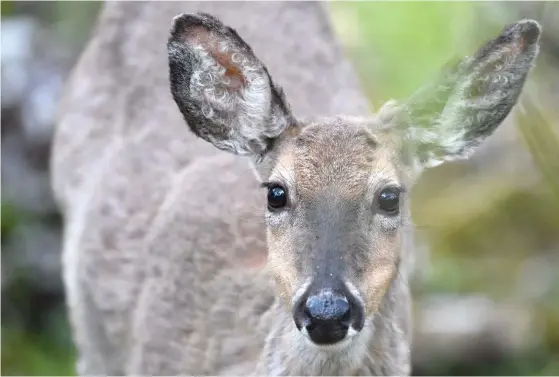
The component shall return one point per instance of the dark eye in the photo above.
(276, 197)
(389, 200)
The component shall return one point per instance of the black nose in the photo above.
(326, 316)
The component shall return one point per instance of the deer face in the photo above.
(335, 196)
(337, 188)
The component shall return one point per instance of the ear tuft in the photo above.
(531, 31)
(526, 32)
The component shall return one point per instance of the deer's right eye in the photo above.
(389, 200)
(277, 198)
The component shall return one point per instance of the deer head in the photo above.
(338, 188)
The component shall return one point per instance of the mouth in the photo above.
(325, 340)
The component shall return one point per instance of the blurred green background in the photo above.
(486, 291)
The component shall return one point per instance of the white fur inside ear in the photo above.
(446, 132)
(388, 111)
(241, 99)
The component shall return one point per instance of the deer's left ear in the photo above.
(448, 120)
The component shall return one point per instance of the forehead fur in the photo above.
(338, 153)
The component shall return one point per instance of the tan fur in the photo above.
(380, 273)
(280, 263)
(353, 162)
(280, 255)
(166, 236)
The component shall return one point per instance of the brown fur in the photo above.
(164, 233)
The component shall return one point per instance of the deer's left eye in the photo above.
(277, 197)
(389, 200)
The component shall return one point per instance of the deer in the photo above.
(231, 203)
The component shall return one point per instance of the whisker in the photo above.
(402, 276)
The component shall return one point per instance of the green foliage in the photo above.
(7, 8)
(9, 219)
(398, 50)
(31, 354)
(33, 343)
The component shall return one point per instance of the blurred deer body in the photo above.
(174, 262)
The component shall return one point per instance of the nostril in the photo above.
(346, 319)
(326, 307)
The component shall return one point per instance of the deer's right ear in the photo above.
(449, 119)
(224, 92)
